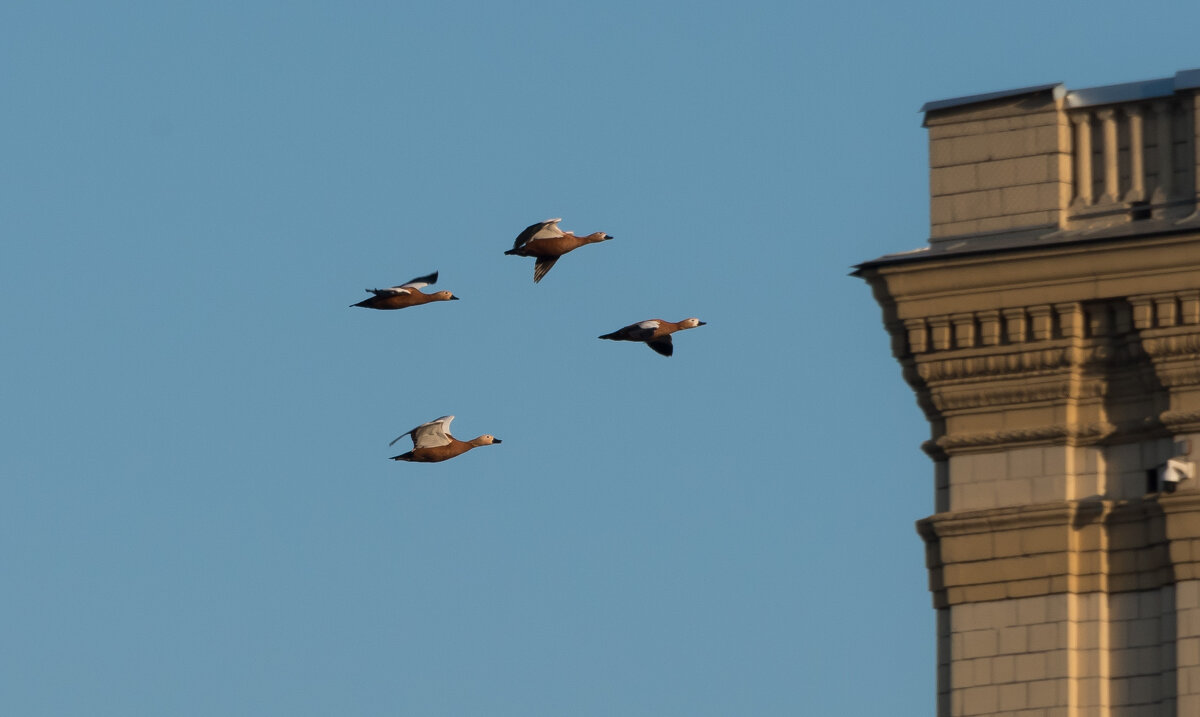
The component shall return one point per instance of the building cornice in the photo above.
(1069, 547)
(1052, 347)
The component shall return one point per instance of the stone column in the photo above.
(1083, 159)
(1137, 162)
(1108, 119)
(1166, 167)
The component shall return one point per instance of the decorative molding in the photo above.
(998, 364)
(1077, 434)
(1179, 345)
(1077, 343)
(990, 395)
(1181, 421)
(1179, 377)
(968, 522)
(1102, 355)
(1041, 323)
(1076, 546)
(1091, 354)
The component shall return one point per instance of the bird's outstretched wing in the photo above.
(662, 345)
(541, 230)
(407, 287)
(541, 266)
(420, 281)
(429, 435)
(642, 330)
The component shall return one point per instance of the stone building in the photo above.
(1050, 329)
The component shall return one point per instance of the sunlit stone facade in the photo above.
(1050, 330)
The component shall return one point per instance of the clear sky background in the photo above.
(197, 513)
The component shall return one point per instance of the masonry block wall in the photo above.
(1000, 167)
(1051, 334)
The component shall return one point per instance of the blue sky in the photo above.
(197, 516)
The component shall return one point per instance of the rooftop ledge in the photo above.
(1045, 165)
(1089, 97)
(1031, 238)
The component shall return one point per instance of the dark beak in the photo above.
(702, 323)
(497, 440)
(454, 298)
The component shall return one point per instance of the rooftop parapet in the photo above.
(1043, 160)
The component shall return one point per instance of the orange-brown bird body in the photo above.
(432, 442)
(546, 242)
(656, 333)
(405, 295)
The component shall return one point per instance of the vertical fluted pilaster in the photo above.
(1083, 158)
(1108, 119)
(1166, 167)
(1137, 161)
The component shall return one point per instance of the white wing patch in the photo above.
(433, 434)
(430, 435)
(547, 232)
(649, 325)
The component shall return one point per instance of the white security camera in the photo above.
(1176, 470)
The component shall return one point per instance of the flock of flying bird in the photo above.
(547, 243)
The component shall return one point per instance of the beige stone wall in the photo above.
(1021, 476)
(1008, 656)
(1083, 655)
(1032, 160)
(1001, 166)
(1187, 646)
(1124, 651)
(1044, 474)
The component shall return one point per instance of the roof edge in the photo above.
(1124, 92)
(1056, 87)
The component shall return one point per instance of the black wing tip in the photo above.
(542, 266)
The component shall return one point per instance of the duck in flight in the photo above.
(655, 332)
(405, 295)
(548, 243)
(432, 442)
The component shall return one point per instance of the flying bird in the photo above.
(433, 443)
(547, 242)
(655, 332)
(405, 295)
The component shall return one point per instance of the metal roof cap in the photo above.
(989, 96)
(1125, 92)
(1187, 79)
